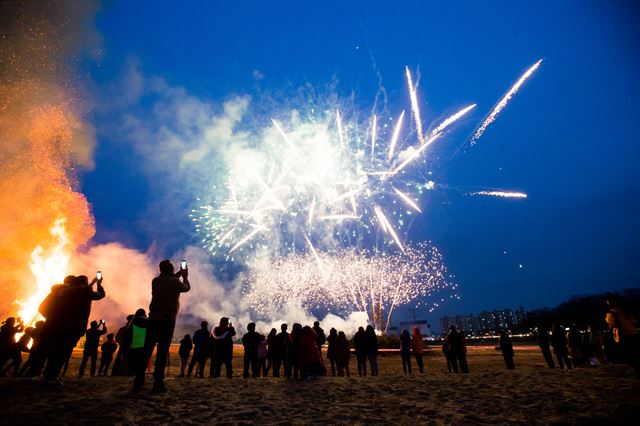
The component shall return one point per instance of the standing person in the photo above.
(417, 347)
(107, 350)
(67, 310)
(544, 343)
(454, 346)
(183, 352)
(461, 351)
(559, 343)
(134, 347)
(360, 345)
(36, 335)
(163, 309)
(372, 349)
(223, 335)
(574, 341)
(119, 363)
(506, 346)
(91, 344)
(200, 341)
(8, 348)
(280, 352)
(625, 333)
(331, 349)
(321, 338)
(250, 342)
(405, 351)
(293, 355)
(310, 361)
(271, 350)
(445, 352)
(342, 355)
(262, 357)
(596, 344)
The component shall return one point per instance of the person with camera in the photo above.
(91, 344)
(163, 309)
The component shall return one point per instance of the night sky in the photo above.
(568, 138)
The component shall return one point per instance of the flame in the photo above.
(47, 268)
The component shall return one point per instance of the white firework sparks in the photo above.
(348, 281)
(503, 194)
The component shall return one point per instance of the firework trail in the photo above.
(414, 106)
(503, 102)
(503, 194)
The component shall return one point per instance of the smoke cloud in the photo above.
(44, 137)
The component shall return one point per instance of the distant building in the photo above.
(486, 322)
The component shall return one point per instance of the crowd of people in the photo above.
(296, 354)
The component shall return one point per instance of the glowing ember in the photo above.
(48, 268)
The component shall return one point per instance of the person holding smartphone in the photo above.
(163, 309)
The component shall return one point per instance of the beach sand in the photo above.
(490, 394)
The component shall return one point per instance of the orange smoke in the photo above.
(44, 139)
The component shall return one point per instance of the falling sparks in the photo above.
(503, 102)
(349, 280)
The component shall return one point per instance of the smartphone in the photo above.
(101, 321)
(99, 275)
(183, 264)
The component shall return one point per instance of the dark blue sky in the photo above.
(568, 138)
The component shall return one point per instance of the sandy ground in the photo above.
(531, 394)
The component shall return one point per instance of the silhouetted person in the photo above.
(320, 336)
(372, 349)
(134, 346)
(262, 357)
(625, 333)
(67, 310)
(250, 342)
(544, 343)
(293, 353)
(8, 345)
(574, 343)
(461, 351)
(343, 353)
(331, 349)
(271, 349)
(405, 351)
(280, 352)
(360, 346)
(107, 350)
(200, 346)
(91, 344)
(36, 337)
(596, 344)
(223, 335)
(310, 360)
(506, 347)
(184, 351)
(164, 306)
(120, 362)
(559, 343)
(445, 351)
(417, 348)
